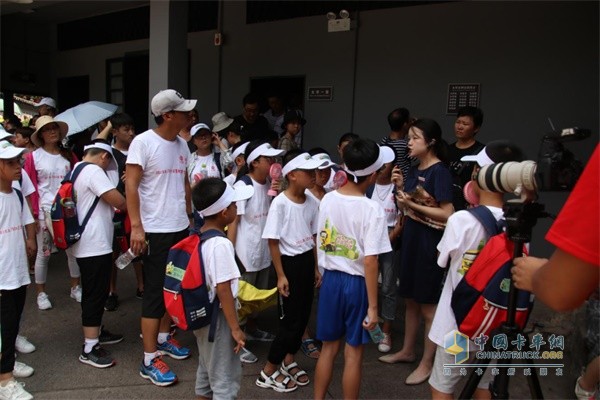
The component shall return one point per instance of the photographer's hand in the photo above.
(523, 270)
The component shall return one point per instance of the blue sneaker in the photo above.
(158, 372)
(173, 349)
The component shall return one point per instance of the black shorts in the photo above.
(155, 260)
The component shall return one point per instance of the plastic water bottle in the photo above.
(125, 259)
(376, 333)
(69, 208)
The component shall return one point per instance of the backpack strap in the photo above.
(217, 160)
(370, 190)
(487, 219)
(71, 177)
(204, 236)
(20, 196)
(246, 179)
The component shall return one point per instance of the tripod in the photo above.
(520, 218)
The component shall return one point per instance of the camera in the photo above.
(556, 168)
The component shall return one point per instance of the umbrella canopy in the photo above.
(84, 115)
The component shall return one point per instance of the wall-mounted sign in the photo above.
(461, 95)
(320, 93)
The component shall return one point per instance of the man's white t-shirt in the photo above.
(218, 259)
(97, 236)
(463, 233)
(162, 187)
(250, 247)
(350, 228)
(51, 170)
(293, 224)
(13, 254)
(25, 186)
(200, 167)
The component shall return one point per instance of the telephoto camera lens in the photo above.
(508, 177)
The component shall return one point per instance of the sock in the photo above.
(89, 344)
(148, 357)
(162, 337)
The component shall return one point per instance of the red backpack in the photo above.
(480, 299)
(185, 290)
(65, 222)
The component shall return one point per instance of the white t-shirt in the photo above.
(250, 247)
(26, 186)
(350, 228)
(97, 236)
(162, 187)
(384, 196)
(218, 259)
(13, 254)
(463, 233)
(51, 170)
(293, 224)
(200, 167)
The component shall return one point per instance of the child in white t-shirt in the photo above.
(219, 369)
(384, 194)
(352, 233)
(463, 233)
(204, 163)
(245, 230)
(14, 277)
(96, 188)
(290, 230)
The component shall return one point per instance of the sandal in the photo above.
(286, 370)
(270, 382)
(310, 349)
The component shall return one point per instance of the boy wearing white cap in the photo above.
(14, 278)
(463, 235)
(352, 233)
(290, 229)
(244, 232)
(219, 369)
(97, 195)
(160, 215)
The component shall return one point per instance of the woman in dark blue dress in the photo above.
(427, 204)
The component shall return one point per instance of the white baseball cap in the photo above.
(240, 150)
(48, 101)
(265, 150)
(112, 170)
(386, 155)
(8, 151)
(198, 127)
(324, 157)
(301, 161)
(230, 195)
(170, 100)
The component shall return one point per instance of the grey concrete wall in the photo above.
(534, 60)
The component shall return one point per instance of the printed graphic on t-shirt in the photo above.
(469, 258)
(336, 244)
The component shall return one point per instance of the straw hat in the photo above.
(43, 121)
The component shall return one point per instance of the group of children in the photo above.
(382, 220)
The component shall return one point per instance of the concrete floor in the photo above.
(59, 374)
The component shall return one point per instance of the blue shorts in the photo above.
(343, 305)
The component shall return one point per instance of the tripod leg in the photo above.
(535, 390)
(474, 379)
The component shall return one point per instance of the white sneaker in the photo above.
(76, 293)
(14, 391)
(22, 370)
(386, 343)
(43, 301)
(23, 345)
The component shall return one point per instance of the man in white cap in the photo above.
(47, 106)
(160, 215)
(97, 196)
